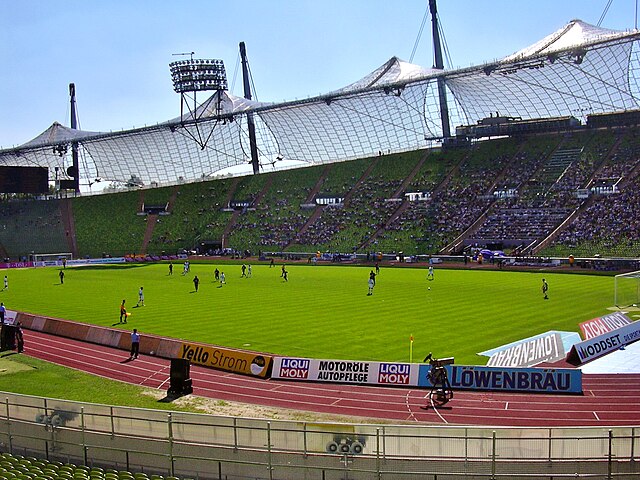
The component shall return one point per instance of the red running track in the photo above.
(607, 400)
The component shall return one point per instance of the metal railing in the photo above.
(202, 446)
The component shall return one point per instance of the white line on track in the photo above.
(359, 400)
(408, 404)
(157, 372)
(435, 409)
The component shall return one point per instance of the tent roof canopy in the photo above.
(574, 34)
(576, 70)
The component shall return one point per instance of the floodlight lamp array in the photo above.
(197, 75)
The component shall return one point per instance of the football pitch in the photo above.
(321, 311)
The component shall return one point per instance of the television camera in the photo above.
(441, 391)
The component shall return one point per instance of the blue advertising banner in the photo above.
(548, 380)
(608, 342)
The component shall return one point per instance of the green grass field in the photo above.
(322, 311)
(29, 376)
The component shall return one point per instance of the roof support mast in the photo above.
(442, 93)
(74, 171)
(250, 124)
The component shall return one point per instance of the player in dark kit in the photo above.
(123, 313)
(545, 289)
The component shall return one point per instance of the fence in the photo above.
(202, 446)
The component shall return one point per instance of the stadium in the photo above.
(455, 193)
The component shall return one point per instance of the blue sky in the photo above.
(117, 51)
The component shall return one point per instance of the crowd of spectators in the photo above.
(345, 227)
(520, 223)
(432, 224)
(278, 215)
(608, 223)
(197, 213)
(522, 189)
(32, 226)
(543, 204)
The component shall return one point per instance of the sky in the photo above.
(117, 52)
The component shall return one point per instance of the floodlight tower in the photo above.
(192, 76)
(250, 123)
(442, 93)
(74, 170)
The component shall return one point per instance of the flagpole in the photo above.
(411, 348)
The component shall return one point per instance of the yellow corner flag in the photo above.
(411, 348)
